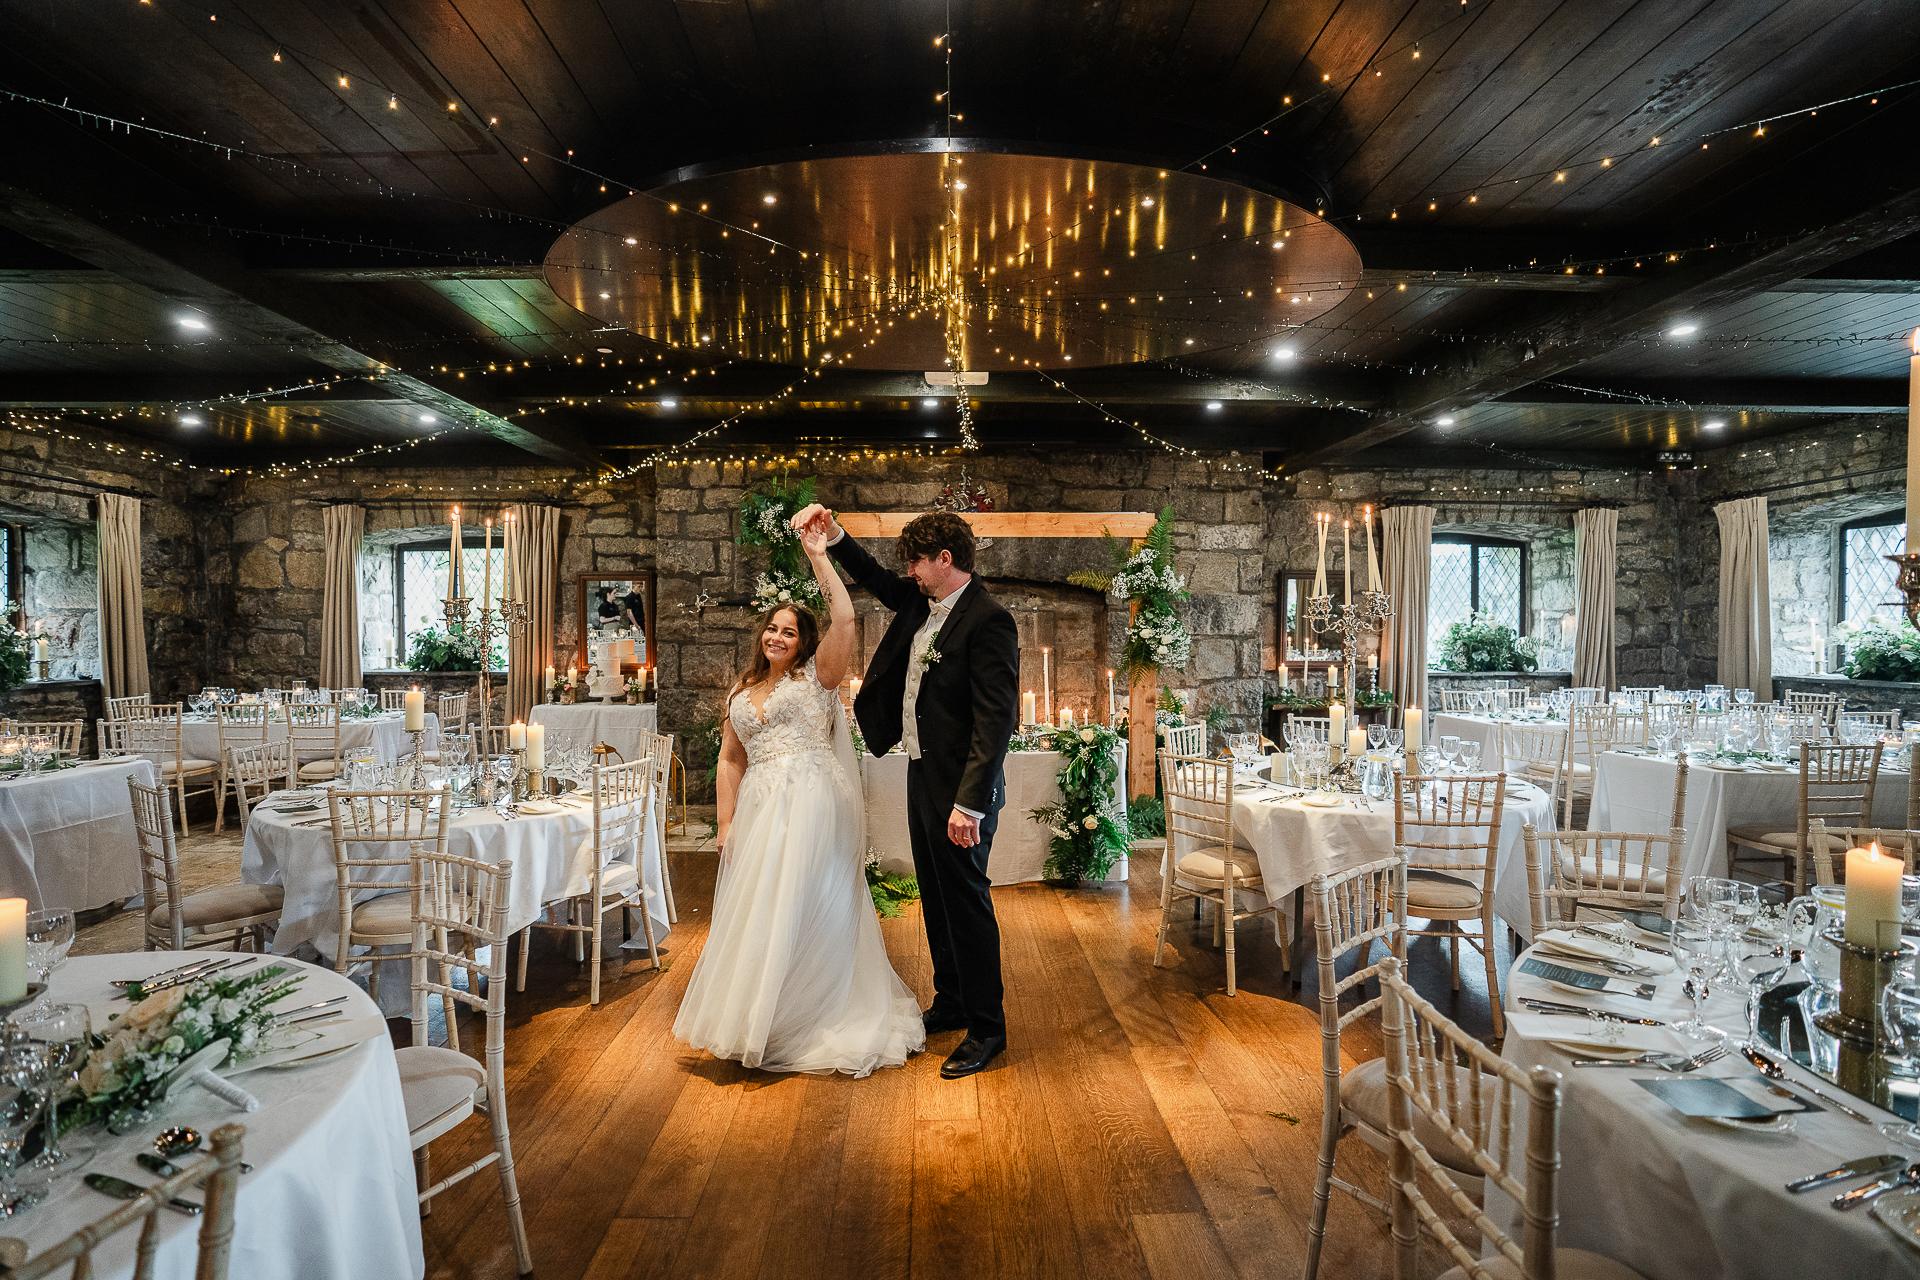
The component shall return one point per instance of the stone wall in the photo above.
(63, 596)
(39, 701)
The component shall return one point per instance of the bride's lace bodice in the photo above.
(799, 717)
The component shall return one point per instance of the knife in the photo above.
(1860, 1168)
(1574, 1010)
(166, 1168)
(121, 1189)
(1860, 1195)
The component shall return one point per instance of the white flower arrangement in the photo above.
(1144, 575)
(775, 588)
(1160, 637)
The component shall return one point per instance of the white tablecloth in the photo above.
(386, 734)
(551, 854)
(1484, 730)
(332, 1188)
(591, 723)
(67, 839)
(1635, 793)
(1019, 845)
(1685, 1199)
(1296, 842)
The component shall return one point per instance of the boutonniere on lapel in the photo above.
(930, 654)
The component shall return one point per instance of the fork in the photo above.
(1699, 1060)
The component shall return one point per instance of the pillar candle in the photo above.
(416, 704)
(40, 649)
(1046, 683)
(517, 736)
(1283, 677)
(1333, 679)
(536, 746)
(13, 949)
(1415, 724)
(1373, 559)
(1066, 717)
(1026, 707)
(1356, 742)
(1346, 558)
(856, 686)
(1873, 898)
(549, 677)
(1336, 724)
(1913, 451)
(486, 569)
(1320, 572)
(1373, 665)
(573, 674)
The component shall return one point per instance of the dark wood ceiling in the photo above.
(353, 202)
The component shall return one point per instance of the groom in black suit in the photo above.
(942, 684)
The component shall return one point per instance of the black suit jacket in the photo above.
(969, 702)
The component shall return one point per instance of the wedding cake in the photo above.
(604, 656)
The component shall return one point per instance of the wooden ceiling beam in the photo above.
(1571, 333)
(1728, 395)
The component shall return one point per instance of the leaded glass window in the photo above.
(1474, 575)
(420, 586)
(1866, 579)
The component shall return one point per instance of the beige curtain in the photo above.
(1746, 629)
(533, 549)
(1409, 550)
(123, 619)
(1594, 534)
(340, 601)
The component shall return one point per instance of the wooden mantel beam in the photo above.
(1011, 524)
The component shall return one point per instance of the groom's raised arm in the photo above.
(890, 589)
(995, 680)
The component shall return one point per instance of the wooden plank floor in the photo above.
(1142, 1124)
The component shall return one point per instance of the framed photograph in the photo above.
(610, 601)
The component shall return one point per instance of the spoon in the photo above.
(1854, 1199)
(179, 1142)
(1774, 1071)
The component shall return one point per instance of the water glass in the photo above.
(1429, 760)
(49, 938)
(23, 1182)
(1696, 950)
(1760, 963)
(1900, 1022)
(63, 1035)
(1376, 736)
(1469, 754)
(1450, 750)
(1743, 697)
(1396, 739)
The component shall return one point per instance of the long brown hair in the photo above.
(758, 668)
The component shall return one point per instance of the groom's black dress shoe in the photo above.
(974, 1053)
(935, 1023)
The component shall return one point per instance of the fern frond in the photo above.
(1092, 579)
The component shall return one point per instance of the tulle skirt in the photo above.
(794, 975)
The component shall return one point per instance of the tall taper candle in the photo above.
(13, 949)
(506, 557)
(1346, 557)
(1913, 447)
(486, 569)
(456, 572)
(1373, 560)
(1112, 710)
(1320, 570)
(1046, 683)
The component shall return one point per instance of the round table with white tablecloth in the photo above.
(67, 838)
(1019, 845)
(385, 733)
(1634, 792)
(1687, 1199)
(618, 724)
(551, 855)
(1296, 841)
(332, 1191)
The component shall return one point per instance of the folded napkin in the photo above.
(1571, 1030)
(1583, 944)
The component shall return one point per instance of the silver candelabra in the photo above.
(512, 622)
(1350, 620)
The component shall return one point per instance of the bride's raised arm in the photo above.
(836, 642)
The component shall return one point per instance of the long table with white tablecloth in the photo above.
(67, 838)
(621, 725)
(1019, 846)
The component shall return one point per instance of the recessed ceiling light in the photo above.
(669, 404)
(1148, 202)
(1682, 330)
(1189, 341)
(190, 420)
(1213, 406)
(1284, 353)
(605, 294)
(605, 351)
(191, 322)
(1444, 422)
(1713, 424)
(929, 404)
(428, 419)
(768, 199)
(631, 240)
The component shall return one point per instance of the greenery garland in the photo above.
(437, 650)
(1090, 831)
(1156, 636)
(1479, 643)
(766, 521)
(1882, 650)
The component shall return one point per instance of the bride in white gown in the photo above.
(794, 975)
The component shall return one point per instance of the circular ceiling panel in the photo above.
(1041, 263)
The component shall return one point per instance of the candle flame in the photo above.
(1874, 849)
(1916, 342)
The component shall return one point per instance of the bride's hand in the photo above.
(720, 844)
(813, 538)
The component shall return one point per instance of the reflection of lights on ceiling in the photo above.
(631, 240)
(605, 351)
(929, 404)
(1682, 330)
(1713, 425)
(428, 419)
(768, 199)
(1283, 353)
(606, 295)
(190, 420)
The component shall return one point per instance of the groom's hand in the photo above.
(963, 829)
(819, 520)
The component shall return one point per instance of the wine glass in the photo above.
(1376, 736)
(1900, 1017)
(1760, 963)
(1450, 750)
(49, 938)
(23, 1182)
(1743, 697)
(1469, 754)
(1695, 949)
(1396, 739)
(1429, 760)
(64, 1034)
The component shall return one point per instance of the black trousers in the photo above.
(958, 909)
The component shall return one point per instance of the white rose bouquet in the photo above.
(125, 1075)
